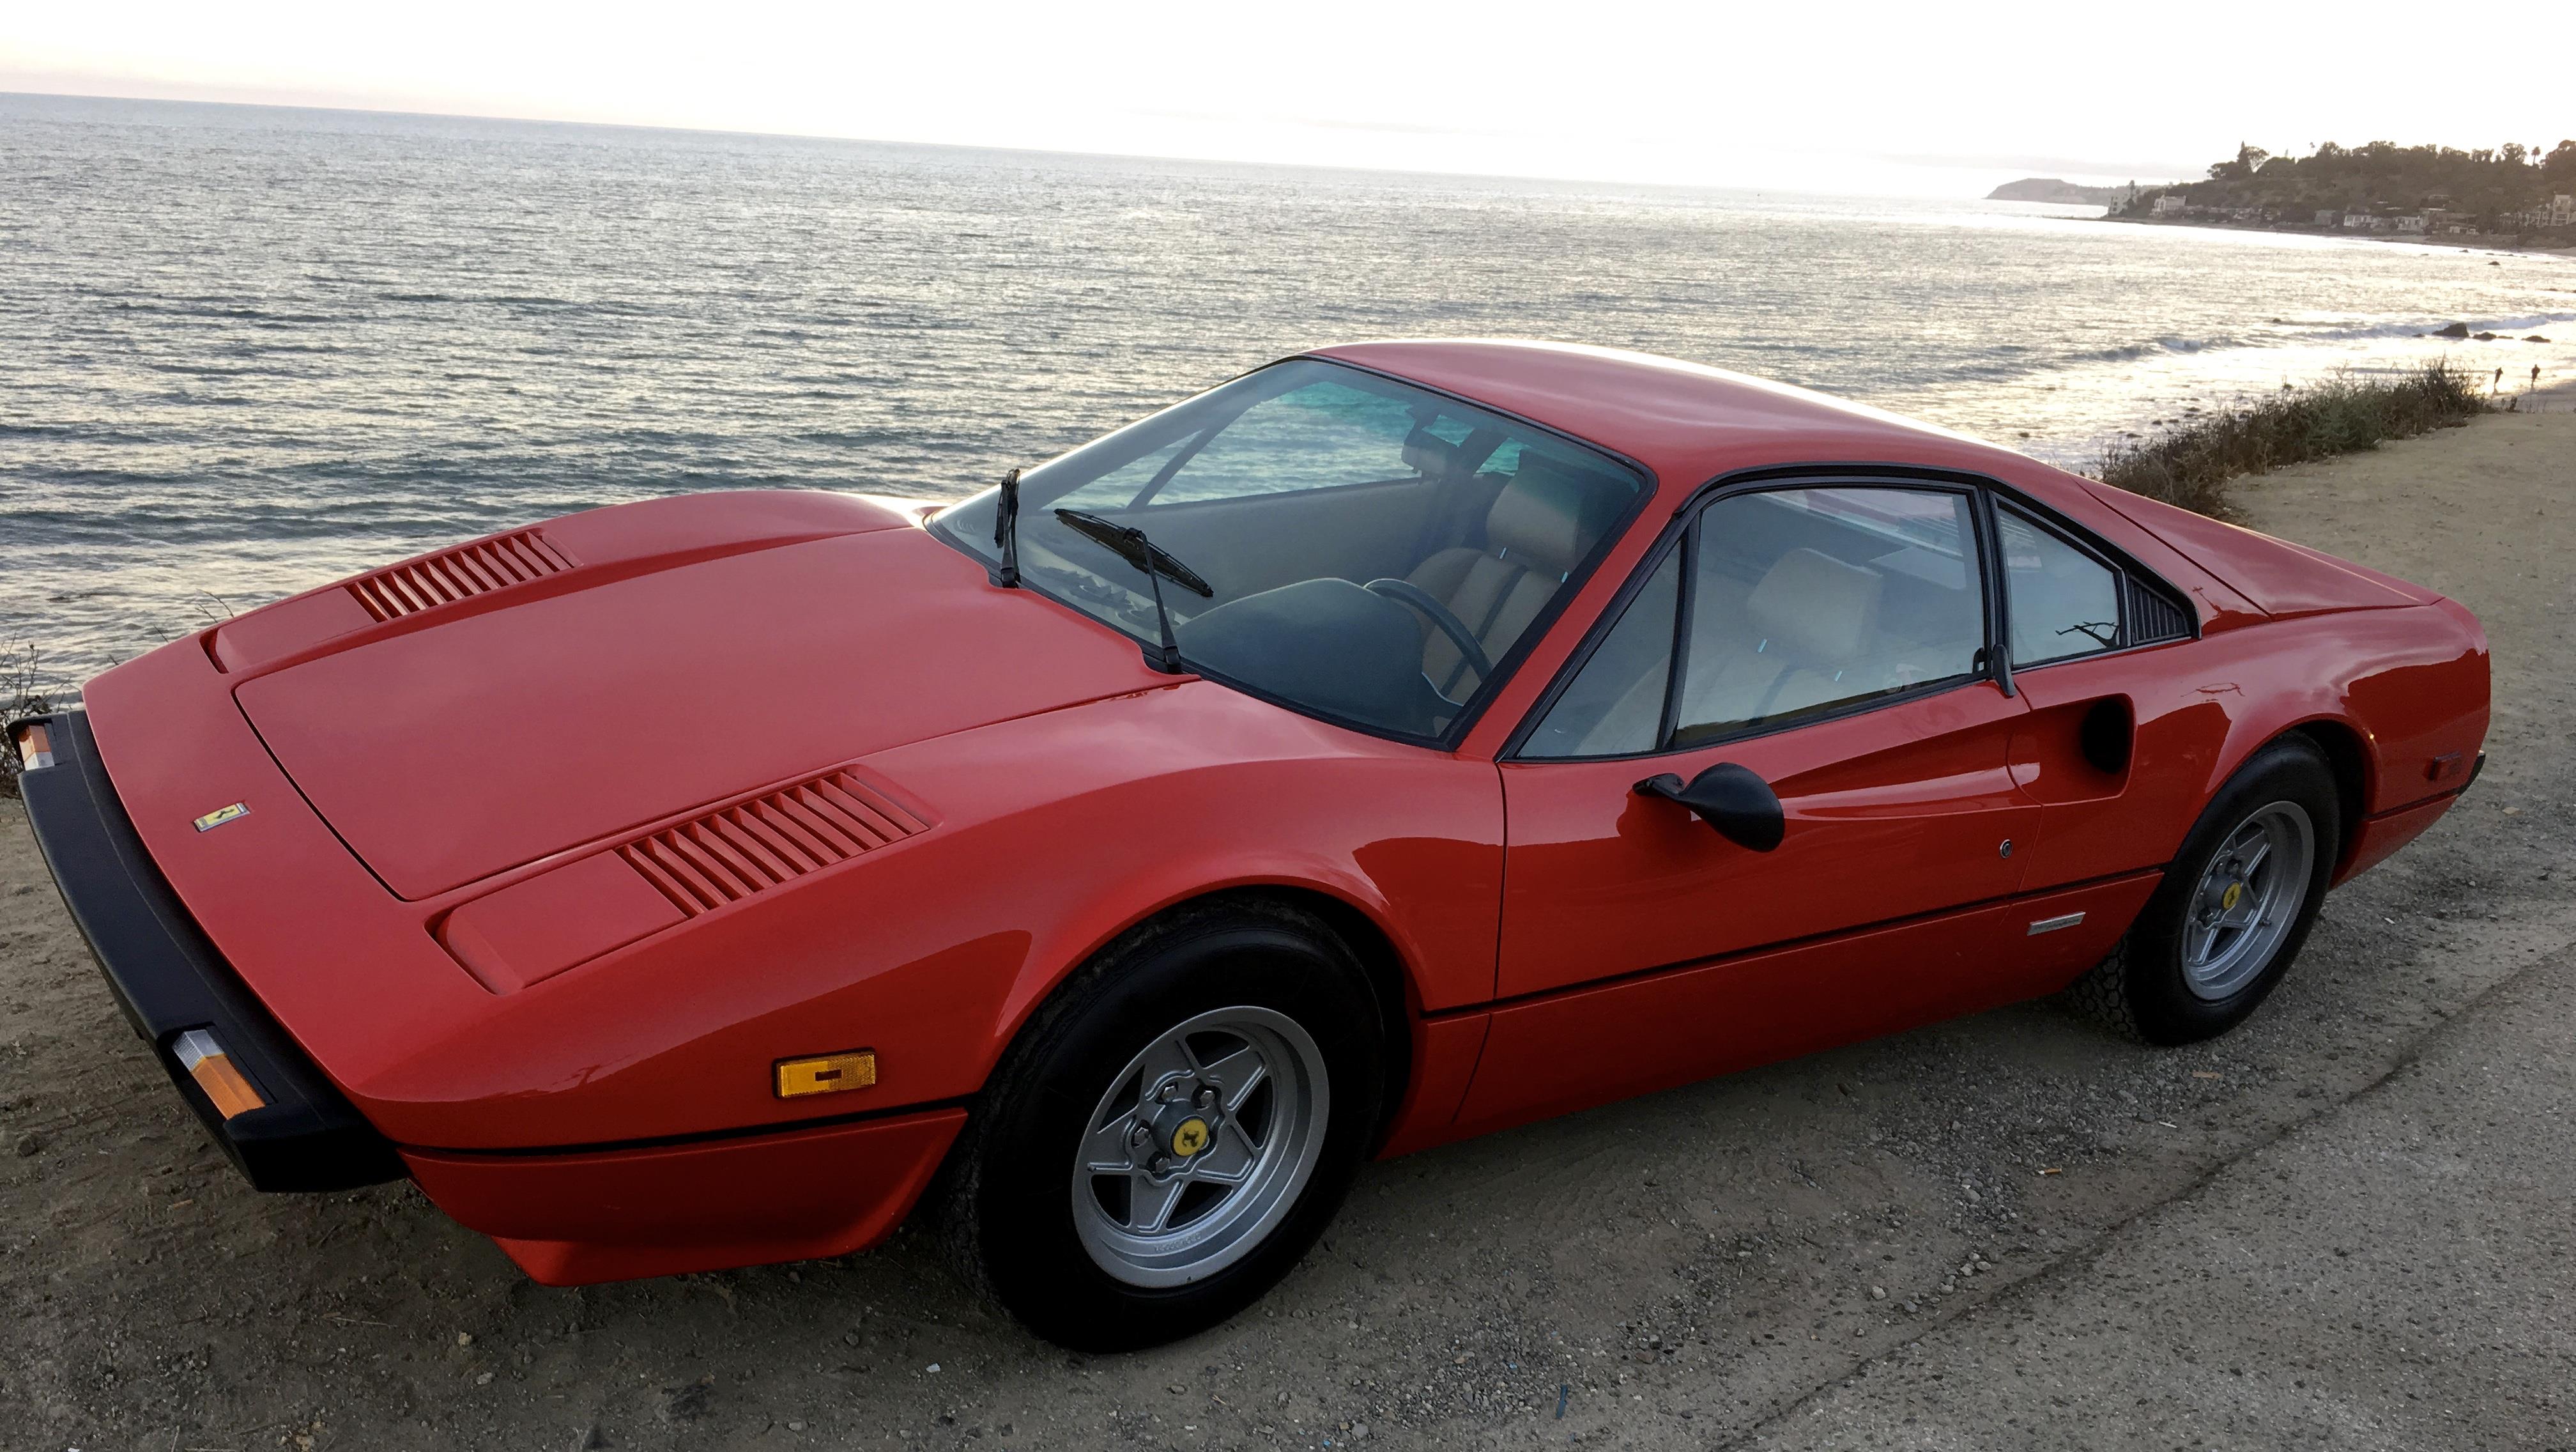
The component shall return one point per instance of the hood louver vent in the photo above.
(452, 575)
(729, 855)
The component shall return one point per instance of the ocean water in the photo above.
(245, 350)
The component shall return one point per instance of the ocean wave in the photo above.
(2291, 335)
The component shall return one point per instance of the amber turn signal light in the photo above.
(827, 1073)
(35, 748)
(208, 1064)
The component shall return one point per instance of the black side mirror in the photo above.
(1740, 805)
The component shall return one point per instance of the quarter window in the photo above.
(2062, 601)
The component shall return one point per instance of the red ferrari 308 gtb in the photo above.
(1397, 743)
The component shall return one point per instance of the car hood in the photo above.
(470, 745)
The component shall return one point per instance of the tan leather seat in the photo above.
(1803, 636)
(1809, 624)
(1535, 535)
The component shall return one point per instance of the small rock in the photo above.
(29, 1144)
(2455, 330)
(484, 1380)
(464, 1338)
(932, 1367)
(1878, 1293)
(796, 1426)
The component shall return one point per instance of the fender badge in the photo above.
(221, 815)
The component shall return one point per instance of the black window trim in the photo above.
(1995, 662)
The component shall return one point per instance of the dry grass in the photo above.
(22, 693)
(2190, 466)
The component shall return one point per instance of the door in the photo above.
(2116, 747)
(1833, 640)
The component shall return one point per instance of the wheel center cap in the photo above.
(1190, 1136)
(2228, 900)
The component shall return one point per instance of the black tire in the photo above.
(1007, 1209)
(2143, 990)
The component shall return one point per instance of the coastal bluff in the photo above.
(2050, 189)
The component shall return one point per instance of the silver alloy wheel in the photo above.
(1200, 1146)
(2247, 898)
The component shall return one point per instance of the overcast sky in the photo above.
(1915, 98)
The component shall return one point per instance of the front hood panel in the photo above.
(469, 747)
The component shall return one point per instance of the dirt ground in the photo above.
(2346, 1225)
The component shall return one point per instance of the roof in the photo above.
(1685, 421)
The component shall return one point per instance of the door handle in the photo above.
(1730, 798)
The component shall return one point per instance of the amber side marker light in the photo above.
(207, 1063)
(35, 748)
(827, 1073)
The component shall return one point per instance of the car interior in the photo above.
(1803, 600)
(1372, 550)
(1374, 553)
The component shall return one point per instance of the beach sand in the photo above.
(2345, 1224)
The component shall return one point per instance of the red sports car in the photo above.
(1399, 742)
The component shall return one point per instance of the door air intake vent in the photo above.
(452, 575)
(728, 855)
(2152, 617)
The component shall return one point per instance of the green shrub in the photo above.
(2190, 466)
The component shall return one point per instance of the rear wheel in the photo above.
(2234, 908)
(1173, 1129)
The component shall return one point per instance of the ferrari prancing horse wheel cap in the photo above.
(1189, 1136)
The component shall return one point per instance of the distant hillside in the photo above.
(2050, 189)
(2382, 187)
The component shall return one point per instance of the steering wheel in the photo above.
(1405, 592)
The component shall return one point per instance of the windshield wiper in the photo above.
(1129, 543)
(1006, 531)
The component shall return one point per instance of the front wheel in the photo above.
(2234, 908)
(1173, 1129)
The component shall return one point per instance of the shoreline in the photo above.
(2464, 242)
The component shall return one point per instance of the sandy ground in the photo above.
(2345, 1225)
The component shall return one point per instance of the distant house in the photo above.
(2562, 210)
(2168, 204)
(2356, 221)
(2410, 224)
(2329, 217)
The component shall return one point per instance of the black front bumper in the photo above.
(169, 979)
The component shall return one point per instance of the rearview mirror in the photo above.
(1731, 798)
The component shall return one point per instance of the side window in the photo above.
(2062, 601)
(1808, 599)
(1614, 706)
(1313, 437)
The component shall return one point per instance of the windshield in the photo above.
(1375, 553)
